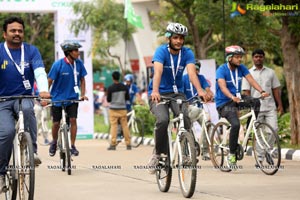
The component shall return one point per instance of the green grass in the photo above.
(99, 126)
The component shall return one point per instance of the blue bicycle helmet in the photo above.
(128, 77)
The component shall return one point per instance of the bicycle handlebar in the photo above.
(165, 99)
(7, 98)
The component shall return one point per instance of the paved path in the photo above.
(102, 174)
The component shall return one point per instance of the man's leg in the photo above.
(7, 134)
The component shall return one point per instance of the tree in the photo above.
(289, 35)
(106, 20)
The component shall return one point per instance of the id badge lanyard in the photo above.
(76, 89)
(173, 69)
(21, 68)
(235, 82)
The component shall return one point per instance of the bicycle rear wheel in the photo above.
(219, 149)
(26, 170)
(11, 180)
(187, 165)
(164, 173)
(136, 128)
(266, 148)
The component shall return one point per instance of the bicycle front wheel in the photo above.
(11, 180)
(219, 148)
(26, 170)
(187, 165)
(164, 173)
(67, 149)
(136, 128)
(266, 148)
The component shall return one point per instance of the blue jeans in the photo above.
(8, 113)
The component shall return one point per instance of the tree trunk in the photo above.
(289, 44)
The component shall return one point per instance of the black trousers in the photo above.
(230, 111)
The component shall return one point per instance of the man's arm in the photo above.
(277, 97)
(225, 91)
(191, 70)
(158, 69)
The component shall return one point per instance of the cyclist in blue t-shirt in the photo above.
(67, 82)
(169, 62)
(190, 91)
(228, 94)
(21, 64)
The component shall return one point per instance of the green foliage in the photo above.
(143, 112)
(105, 18)
(284, 129)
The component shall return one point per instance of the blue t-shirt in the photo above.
(63, 75)
(133, 90)
(190, 92)
(162, 55)
(11, 81)
(224, 73)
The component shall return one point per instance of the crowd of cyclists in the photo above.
(22, 65)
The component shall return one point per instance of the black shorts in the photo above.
(71, 112)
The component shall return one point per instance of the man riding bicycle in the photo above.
(169, 62)
(68, 83)
(21, 65)
(228, 94)
(190, 91)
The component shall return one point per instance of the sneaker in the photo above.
(52, 149)
(2, 183)
(232, 161)
(153, 163)
(74, 151)
(111, 148)
(205, 156)
(128, 147)
(37, 160)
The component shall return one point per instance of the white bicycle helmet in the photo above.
(234, 50)
(176, 28)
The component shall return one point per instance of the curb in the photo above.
(287, 154)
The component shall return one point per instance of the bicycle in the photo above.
(64, 141)
(201, 116)
(136, 128)
(44, 129)
(261, 136)
(182, 156)
(21, 170)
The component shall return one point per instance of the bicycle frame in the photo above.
(205, 118)
(176, 150)
(250, 127)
